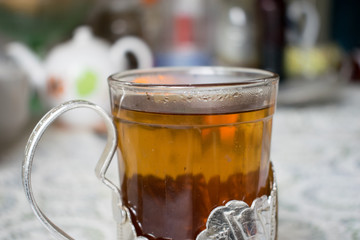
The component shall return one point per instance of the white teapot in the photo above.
(78, 69)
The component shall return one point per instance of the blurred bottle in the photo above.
(117, 19)
(272, 34)
(152, 20)
(181, 36)
(309, 53)
(236, 34)
(346, 33)
(311, 59)
(345, 29)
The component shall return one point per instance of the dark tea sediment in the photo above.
(179, 207)
(176, 168)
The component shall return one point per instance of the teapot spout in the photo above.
(29, 62)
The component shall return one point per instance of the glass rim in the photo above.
(266, 78)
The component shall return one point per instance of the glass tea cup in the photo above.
(193, 153)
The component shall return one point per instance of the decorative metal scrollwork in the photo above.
(237, 221)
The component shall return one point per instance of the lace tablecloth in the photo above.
(315, 152)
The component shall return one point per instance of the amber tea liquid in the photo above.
(176, 168)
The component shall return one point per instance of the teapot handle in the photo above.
(134, 45)
(122, 214)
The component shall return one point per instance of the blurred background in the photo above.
(52, 51)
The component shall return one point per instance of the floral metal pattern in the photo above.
(237, 221)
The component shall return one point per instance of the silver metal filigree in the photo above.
(237, 221)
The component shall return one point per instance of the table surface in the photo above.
(315, 150)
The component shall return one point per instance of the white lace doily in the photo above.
(315, 151)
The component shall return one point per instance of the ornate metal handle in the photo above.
(101, 168)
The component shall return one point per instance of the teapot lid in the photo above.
(83, 35)
(83, 45)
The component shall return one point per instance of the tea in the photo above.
(176, 168)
